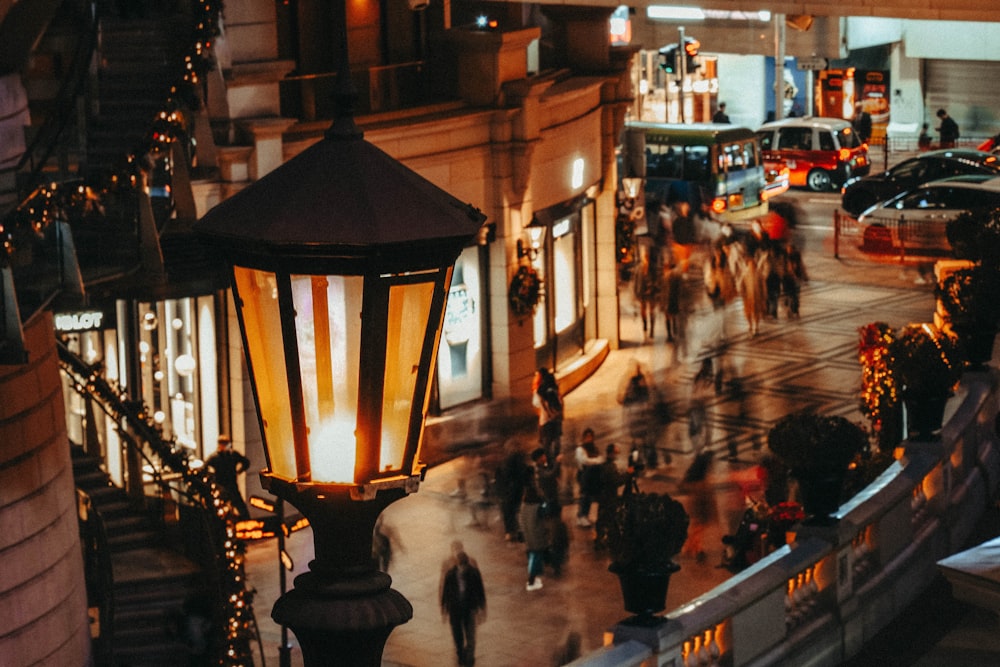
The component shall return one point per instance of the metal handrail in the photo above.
(200, 490)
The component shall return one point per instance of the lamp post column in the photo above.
(343, 609)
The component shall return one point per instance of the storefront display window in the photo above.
(460, 355)
(564, 274)
(177, 362)
(563, 262)
(91, 336)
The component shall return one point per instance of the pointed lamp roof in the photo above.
(341, 206)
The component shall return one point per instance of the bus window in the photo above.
(696, 164)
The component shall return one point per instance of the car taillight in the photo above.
(844, 154)
(718, 205)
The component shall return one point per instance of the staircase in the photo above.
(151, 583)
(138, 65)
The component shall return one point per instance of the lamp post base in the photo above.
(343, 609)
(342, 621)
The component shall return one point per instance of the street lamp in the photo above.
(534, 234)
(341, 263)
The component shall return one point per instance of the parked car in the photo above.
(820, 153)
(862, 192)
(917, 221)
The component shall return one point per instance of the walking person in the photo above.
(227, 464)
(463, 604)
(948, 129)
(588, 463)
(612, 479)
(862, 123)
(702, 507)
(547, 474)
(548, 401)
(533, 522)
(511, 476)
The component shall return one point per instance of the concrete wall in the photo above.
(42, 592)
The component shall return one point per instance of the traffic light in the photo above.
(668, 59)
(691, 46)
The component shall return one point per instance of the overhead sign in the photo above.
(813, 64)
(83, 320)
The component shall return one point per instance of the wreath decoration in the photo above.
(525, 291)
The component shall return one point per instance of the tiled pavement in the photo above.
(808, 362)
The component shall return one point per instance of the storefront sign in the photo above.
(85, 320)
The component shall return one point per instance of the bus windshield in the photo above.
(716, 168)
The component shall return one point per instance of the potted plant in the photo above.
(926, 365)
(642, 534)
(817, 450)
(968, 296)
(925, 360)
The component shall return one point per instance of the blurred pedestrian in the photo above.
(588, 463)
(385, 539)
(862, 123)
(924, 140)
(534, 523)
(463, 604)
(612, 480)
(647, 288)
(227, 464)
(569, 651)
(511, 475)
(720, 115)
(702, 508)
(549, 403)
(547, 476)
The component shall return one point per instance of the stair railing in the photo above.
(97, 563)
(134, 425)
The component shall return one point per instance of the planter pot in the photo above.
(925, 415)
(819, 491)
(644, 592)
(977, 343)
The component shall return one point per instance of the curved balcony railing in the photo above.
(820, 599)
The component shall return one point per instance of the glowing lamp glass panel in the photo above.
(408, 316)
(328, 334)
(261, 317)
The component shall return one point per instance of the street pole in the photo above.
(681, 72)
(284, 650)
(779, 66)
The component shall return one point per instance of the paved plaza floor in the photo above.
(792, 364)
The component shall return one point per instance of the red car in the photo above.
(820, 153)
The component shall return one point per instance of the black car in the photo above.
(862, 193)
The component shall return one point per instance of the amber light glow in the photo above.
(321, 379)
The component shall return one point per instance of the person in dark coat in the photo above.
(463, 604)
(612, 480)
(862, 123)
(511, 476)
(549, 403)
(720, 115)
(948, 129)
(534, 521)
(227, 464)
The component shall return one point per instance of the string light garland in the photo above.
(79, 203)
(200, 486)
(879, 392)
